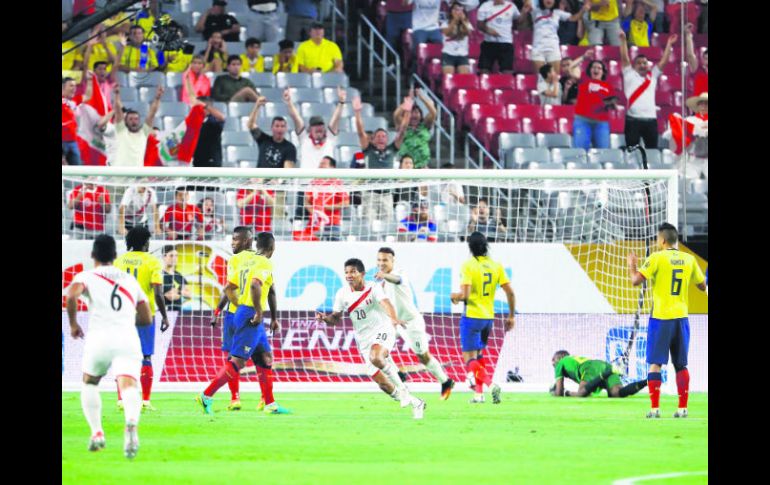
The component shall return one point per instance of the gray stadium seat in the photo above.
(239, 109)
(509, 141)
(174, 79)
(330, 80)
(653, 157)
(602, 155)
(668, 157)
(262, 79)
(554, 140)
(317, 109)
(221, 107)
(370, 124)
(170, 122)
(237, 154)
(305, 95)
(240, 138)
(542, 166)
(127, 95)
(700, 186)
(366, 110)
(347, 138)
(172, 109)
(272, 94)
(293, 80)
(345, 155)
(524, 155)
(140, 108)
(235, 48)
(617, 140)
(232, 124)
(270, 49)
(663, 143)
(194, 5)
(268, 63)
(139, 79)
(569, 155)
(276, 109)
(123, 78)
(330, 94)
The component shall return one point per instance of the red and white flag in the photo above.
(678, 126)
(93, 149)
(179, 144)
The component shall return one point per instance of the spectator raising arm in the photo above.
(117, 104)
(363, 138)
(101, 125)
(261, 101)
(401, 131)
(334, 122)
(692, 59)
(625, 60)
(154, 107)
(667, 51)
(299, 123)
(430, 118)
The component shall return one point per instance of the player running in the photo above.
(148, 271)
(399, 292)
(590, 375)
(249, 287)
(116, 305)
(670, 271)
(374, 320)
(479, 279)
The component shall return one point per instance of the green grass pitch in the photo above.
(368, 439)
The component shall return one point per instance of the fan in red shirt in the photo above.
(325, 203)
(700, 74)
(180, 219)
(256, 207)
(69, 123)
(213, 225)
(90, 203)
(595, 99)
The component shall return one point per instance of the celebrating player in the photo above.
(116, 304)
(399, 292)
(248, 288)
(148, 271)
(374, 320)
(590, 375)
(670, 271)
(480, 277)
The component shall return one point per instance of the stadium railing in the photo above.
(366, 43)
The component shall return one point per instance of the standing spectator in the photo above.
(137, 202)
(324, 202)
(604, 22)
(318, 54)
(175, 288)
(700, 75)
(131, 136)
(425, 26)
(545, 41)
(285, 60)
(548, 86)
(215, 54)
(216, 19)
(418, 132)
(639, 84)
(208, 151)
(301, 16)
(213, 224)
(456, 32)
(595, 99)
(568, 29)
(418, 226)
(378, 203)
(195, 81)
(275, 151)
(674, 13)
(183, 221)
(263, 22)
(73, 59)
(317, 141)
(482, 222)
(495, 19)
(570, 76)
(252, 60)
(233, 86)
(69, 124)
(398, 18)
(138, 56)
(637, 24)
(90, 203)
(256, 207)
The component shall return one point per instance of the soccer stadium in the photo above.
(385, 241)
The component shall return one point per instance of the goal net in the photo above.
(562, 237)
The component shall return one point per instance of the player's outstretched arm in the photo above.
(389, 277)
(143, 315)
(158, 289)
(76, 289)
(333, 318)
(511, 297)
(256, 298)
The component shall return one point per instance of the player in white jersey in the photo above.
(399, 292)
(116, 304)
(374, 320)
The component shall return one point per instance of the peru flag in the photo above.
(93, 149)
(179, 144)
(677, 126)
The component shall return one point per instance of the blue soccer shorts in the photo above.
(147, 338)
(474, 333)
(664, 336)
(247, 337)
(228, 329)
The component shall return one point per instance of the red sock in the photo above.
(478, 373)
(653, 384)
(225, 373)
(488, 377)
(266, 384)
(683, 386)
(116, 385)
(146, 380)
(235, 387)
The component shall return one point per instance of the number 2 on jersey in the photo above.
(487, 281)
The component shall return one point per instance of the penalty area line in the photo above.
(632, 480)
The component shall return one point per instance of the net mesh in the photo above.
(589, 225)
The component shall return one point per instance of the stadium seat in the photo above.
(565, 125)
(239, 109)
(522, 36)
(231, 124)
(173, 80)
(330, 95)
(672, 69)
(617, 140)
(526, 82)
(522, 59)
(172, 109)
(240, 138)
(663, 114)
(503, 97)
(473, 112)
(508, 141)
(324, 110)
(700, 186)
(487, 131)
(370, 123)
(556, 111)
(539, 125)
(123, 79)
(525, 155)
(434, 72)
(497, 81)
(654, 157)
(237, 154)
(664, 98)
(604, 155)
(613, 68)
(272, 94)
(674, 83)
(128, 94)
(293, 80)
(569, 155)
(654, 54)
(543, 166)
(462, 97)
(616, 82)
(137, 106)
(330, 80)
(452, 82)
(146, 94)
(346, 154)
(607, 52)
(262, 79)
(519, 111)
(554, 140)
(235, 48)
(348, 138)
(573, 51)
(305, 95)
(139, 79)
(194, 5)
(170, 122)
(366, 110)
(425, 52)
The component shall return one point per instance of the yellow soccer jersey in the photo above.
(232, 272)
(146, 269)
(247, 65)
(670, 273)
(249, 269)
(484, 276)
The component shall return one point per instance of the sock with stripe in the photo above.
(225, 373)
(654, 380)
(683, 387)
(391, 372)
(487, 375)
(479, 373)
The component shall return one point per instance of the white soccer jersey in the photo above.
(364, 308)
(546, 27)
(500, 18)
(112, 297)
(401, 296)
(644, 104)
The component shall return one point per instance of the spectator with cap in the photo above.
(175, 288)
(135, 207)
(232, 86)
(318, 54)
(316, 141)
(418, 226)
(252, 60)
(215, 53)
(483, 222)
(263, 22)
(216, 19)
(131, 135)
(637, 23)
(301, 16)
(182, 220)
(275, 150)
(285, 60)
(138, 56)
(418, 130)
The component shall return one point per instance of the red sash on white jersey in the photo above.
(491, 17)
(358, 302)
(641, 89)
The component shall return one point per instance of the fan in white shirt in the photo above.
(374, 320)
(399, 291)
(545, 36)
(114, 299)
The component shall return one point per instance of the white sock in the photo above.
(396, 395)
(434, 367)
(391, 372)
(91, 402)
(132, 404)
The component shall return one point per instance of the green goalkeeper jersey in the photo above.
(577, 368)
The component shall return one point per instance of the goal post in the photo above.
(561, 235)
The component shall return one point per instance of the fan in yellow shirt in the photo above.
(480, 277)
(138, 56)
(318, 54)
(285, 60)
(251, 60)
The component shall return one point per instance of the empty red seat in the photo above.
(488, 129)
(518, 111)
(497, 81)
(606, 52)
(556, 111)
(522, 59)
(615, 81)
(618, 120)
(565, 125)
(539, 125)
(573, 51)
(526, 82)
(652, 53)
(462, 97)
(522, 37)
(671, 69)
(451, 82)
(673, 83)
(700, 40)
(664, 98)
(659, 40)
(508, 96)
(434, 73)
(473, 112)
(425, 52)
(614, 69)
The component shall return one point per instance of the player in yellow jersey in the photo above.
(670, 272)
(479, 278)
(148, 271)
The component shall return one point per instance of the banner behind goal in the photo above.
(562, 237)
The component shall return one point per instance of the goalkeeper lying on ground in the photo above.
(590, 375)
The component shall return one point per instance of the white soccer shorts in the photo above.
(384, 335)
(546, 54)
(120, 351)
(414, 334)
